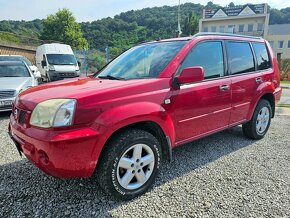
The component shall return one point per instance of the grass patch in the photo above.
(283, 105)
(285, 82)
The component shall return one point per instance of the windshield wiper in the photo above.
(111, 77)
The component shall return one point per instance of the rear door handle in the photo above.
(259, 80)
(224, 87)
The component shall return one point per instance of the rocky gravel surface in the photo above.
(224, 175)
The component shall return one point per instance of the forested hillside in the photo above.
(125, 29)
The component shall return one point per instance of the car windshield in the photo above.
(61, 59)
(13, 71)
(143, 61)
(15, 58)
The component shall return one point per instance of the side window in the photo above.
(262, 56)
(208, 55)
(240, 57)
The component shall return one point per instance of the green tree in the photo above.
(232, 4)
(63, 27)
(191, 24)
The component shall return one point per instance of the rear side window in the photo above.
(262, 56)
(240, 57)
(208, 55)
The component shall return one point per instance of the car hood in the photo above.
(15, 83)
(80, 89)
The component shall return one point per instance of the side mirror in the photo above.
(43, 63)
(190, 75)
(37, 74)
(79, 63)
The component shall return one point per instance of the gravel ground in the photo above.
(224, 175)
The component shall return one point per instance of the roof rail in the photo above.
(225, 34)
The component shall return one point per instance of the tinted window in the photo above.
(208, 55)
(240, 57)
(262, 56)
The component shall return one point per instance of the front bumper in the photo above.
(63, 154)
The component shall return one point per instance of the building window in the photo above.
(271, 43)
(260, 27)
(241, 28)
(222, 29)
(250, 27)
(231, 29)
(213, 29)
(280, 44)
(205, 29)
(288, 43)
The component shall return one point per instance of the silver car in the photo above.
(15, 77)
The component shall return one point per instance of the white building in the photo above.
(250, 20)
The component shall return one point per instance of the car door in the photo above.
(245, 79)
(203, 107)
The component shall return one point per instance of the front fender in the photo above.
(124, 115)
(121, 116)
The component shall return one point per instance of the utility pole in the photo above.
(178, 25)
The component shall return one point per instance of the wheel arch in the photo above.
(150, 126)
(269, 96)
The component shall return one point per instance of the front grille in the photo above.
(19, 115)
(5, 108)
(22, 117)
(67, 75)
(7, 94)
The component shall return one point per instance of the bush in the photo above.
(284, 69)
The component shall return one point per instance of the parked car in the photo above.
(120, 124)
(32, 67)
(15, 77)
(56, 62)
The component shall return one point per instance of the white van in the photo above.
(56, 62)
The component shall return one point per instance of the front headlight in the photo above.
(53, 113)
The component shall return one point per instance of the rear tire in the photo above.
(258, 126)
(129, 164)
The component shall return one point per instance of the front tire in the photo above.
(258, 126)
(129, 164)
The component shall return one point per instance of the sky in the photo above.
(89, 10)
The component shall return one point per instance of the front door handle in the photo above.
(224, 87)
(259, 80)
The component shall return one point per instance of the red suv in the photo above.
(118, 125)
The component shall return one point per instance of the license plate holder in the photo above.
(5, 103)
